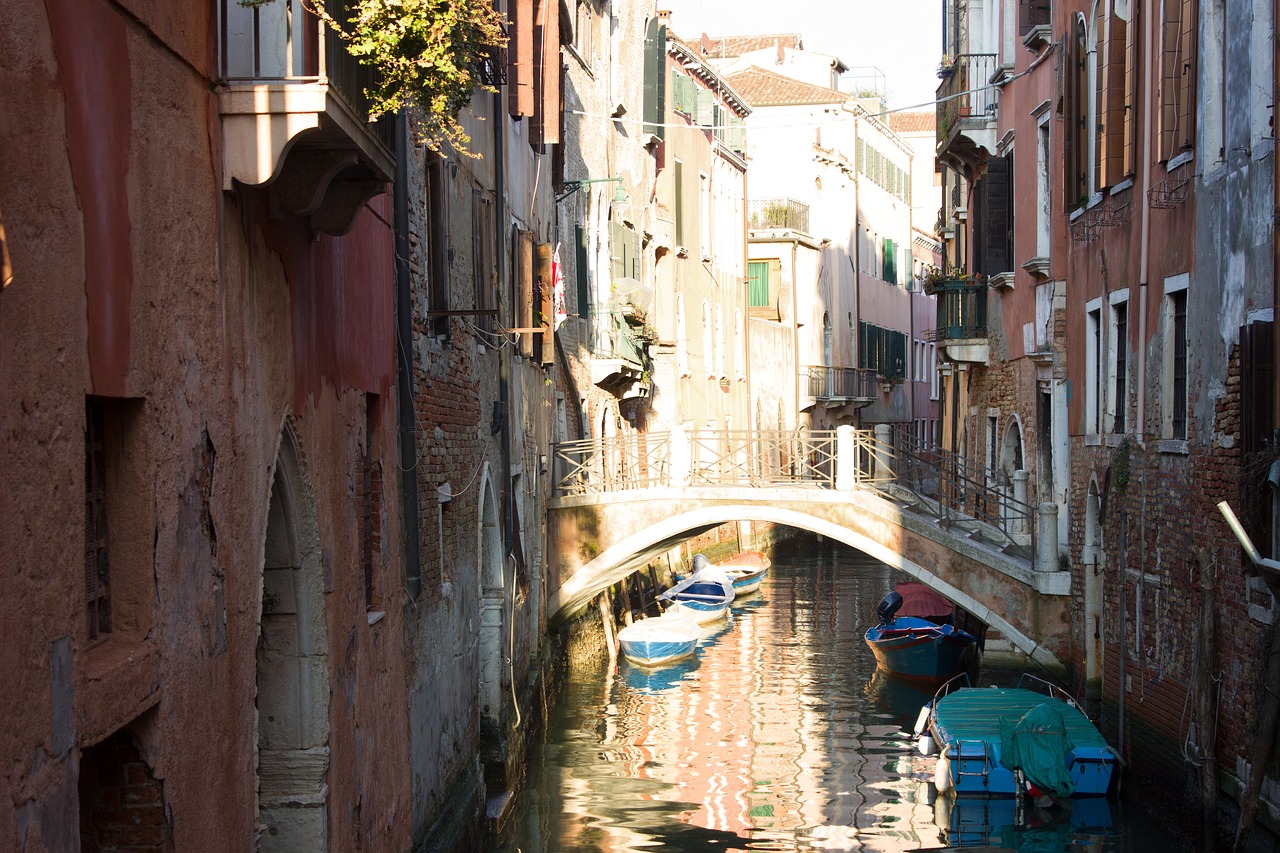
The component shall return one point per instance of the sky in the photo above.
(903, 38)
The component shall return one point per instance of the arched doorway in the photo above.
(292, 701)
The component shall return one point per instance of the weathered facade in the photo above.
(1111, 288)
(203, 587)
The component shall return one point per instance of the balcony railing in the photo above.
(283, 42)
(778, 213)
(842, 383)
(962, 309)
(965, 92)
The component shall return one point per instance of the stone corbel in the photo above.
(342, 201)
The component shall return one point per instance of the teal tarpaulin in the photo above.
(1038, 744)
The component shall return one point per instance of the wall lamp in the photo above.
(571, 187)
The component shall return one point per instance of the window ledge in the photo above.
(1175, 162)
(1002, 280)
(586, 66)
(1115, 439)
(682, 252)
(1122, 186)
(375, 616)
(1038, 267)
(1093, 439)
(1036, 36)
(1174, 446)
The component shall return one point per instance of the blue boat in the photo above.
(919, 649)
(660, 640)
(746, 570)
(1008, 741)
(704, 596)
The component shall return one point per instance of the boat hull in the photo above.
(661, 640)
(916, 649)
(966, 726)
(704, 596)
(746, 570)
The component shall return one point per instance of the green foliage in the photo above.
(426, 53)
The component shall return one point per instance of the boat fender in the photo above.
(922, 720)
(942, 774)
(925, 744)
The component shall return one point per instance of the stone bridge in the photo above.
(622, 505)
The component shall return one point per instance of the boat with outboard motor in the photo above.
(919, 648)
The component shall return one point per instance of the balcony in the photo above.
(961, 330)
(841, 386)
(620, 362)
(966, 110)
(294, 113)
(777, 214)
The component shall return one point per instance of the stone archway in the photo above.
(292, 680)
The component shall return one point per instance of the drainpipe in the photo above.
(1275, 239)
(1145, 241)
(404, 367)
(795, 335)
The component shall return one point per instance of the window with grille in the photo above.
(96, 563)
(882, 350)
(1178, 312)
(482, 254)
(1120, 347)
(1093, 361)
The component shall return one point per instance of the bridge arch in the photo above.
(637, 548)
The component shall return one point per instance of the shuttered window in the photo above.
(1075, 95)
(1178, 76)
(993, 249)
(655, 79)
(520, 94)
(758, 284)
(679, 202)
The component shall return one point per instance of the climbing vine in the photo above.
(428, 55)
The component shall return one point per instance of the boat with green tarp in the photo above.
(1008, 741)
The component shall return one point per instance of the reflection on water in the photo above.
(780, 734)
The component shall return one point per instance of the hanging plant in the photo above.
(427, 54)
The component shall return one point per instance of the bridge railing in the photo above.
(963, 490)
(759, 458)
(624, 463)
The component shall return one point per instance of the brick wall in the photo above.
(121, 803)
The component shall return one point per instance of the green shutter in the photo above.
(758, 284)
(706, 107)
(890, 262)
(737, 135)
(584, 274)
(617, 250)
(655, 78)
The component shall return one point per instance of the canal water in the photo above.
(779, 735)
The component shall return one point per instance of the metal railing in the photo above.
(626, 463)
(962, 310)
(965, 91)
(778, 213)
(842, 383)
(284, 42)
(962, 490)
(742, 457)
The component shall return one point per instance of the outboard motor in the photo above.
(889, 606)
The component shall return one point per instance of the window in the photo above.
(523, 285)
(993, 228)
(1116, 93)
(1174, 388)
(882, 350)
(584, 32)
(682, 339)
(740, 347)
(655, 78)
(1075, 161)
(890, 262)
(624, 251)
(485, 274)
(97, 569)
(1118, 397)
(1043, 209)
(993, 445)
(720, 344)
(1178, 78)
(707, 347)
(763, 278)
(437, 246)
(934, 387)
(1093, 359)
(582, 264)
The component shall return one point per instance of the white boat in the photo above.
(659, 640)
(704, 596)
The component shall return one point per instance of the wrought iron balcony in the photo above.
(295, 114)
(779, 213)
(966, 111)
(962, 317)
(843, 384)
